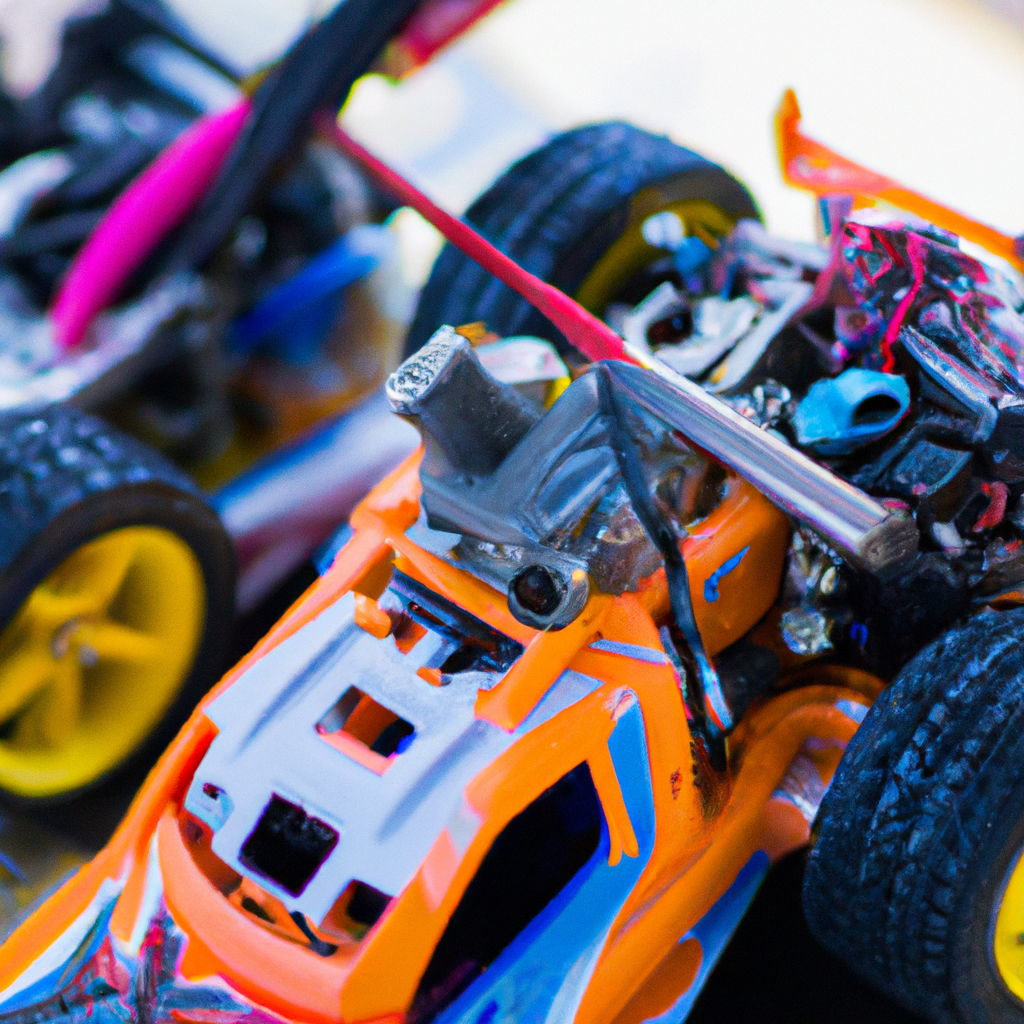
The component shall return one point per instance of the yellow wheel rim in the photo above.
(1008, 937)
(629, 253)
(95, 656)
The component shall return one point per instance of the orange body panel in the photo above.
(379, 982)
(690, 869)
(708, 825)
(286, 978)
(746, 519)
(809, 165)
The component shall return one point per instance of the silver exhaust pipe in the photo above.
(861, 529)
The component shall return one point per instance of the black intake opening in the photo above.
(288, 845)
(531, 861)
(480, 646)
(367, 904)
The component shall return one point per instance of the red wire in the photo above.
(592, 337)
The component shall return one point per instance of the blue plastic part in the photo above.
(729, 280)
(838, 416)
(711, 583)
(544, 973)
(296, 315)
(691, 255)
(325, 557)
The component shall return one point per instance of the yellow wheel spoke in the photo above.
(94, 658)
(104, 565)
(22, 675)
(84, 584)
(47, 609)
(52, 718)
(112, 641)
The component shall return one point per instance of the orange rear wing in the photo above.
(809, 165)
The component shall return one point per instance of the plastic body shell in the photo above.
(676, 835)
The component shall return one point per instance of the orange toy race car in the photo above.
(591, 661)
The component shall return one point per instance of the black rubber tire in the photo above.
(920, 825)
(556, 212)
(67, 478)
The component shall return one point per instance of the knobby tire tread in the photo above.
(917, 791)
(556, 212)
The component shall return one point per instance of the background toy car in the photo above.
(173, 250)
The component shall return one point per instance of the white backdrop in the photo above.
(929, 91)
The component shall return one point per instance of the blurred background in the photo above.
(930, 92)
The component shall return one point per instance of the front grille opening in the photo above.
(480, 646)
(366, 730)
(356, 911)
(247, 897)
(271, 913)
(199, 840)
(288, 845)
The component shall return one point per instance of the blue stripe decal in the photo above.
(711, 583)
(324, 558)
(543, 974)
(714, 930)
(635, 651)
(59, 978)
(568, 689)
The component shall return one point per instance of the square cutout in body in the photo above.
(288, 845)
(366, 731)
(356, 911)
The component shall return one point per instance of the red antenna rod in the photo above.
(592, 337)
